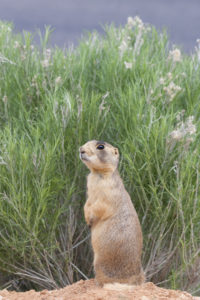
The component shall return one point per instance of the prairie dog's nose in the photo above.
(81, 150)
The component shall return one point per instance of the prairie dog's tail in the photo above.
(118, 283)
(125, 284)
(118, 287)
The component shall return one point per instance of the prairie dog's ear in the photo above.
(116, 151)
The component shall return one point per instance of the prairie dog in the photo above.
(116, 233)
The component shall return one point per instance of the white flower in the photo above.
(175, 55)
(16, 44)
(47, 53)
(128, 65)
(45, 63)
(130, 22)
(139, 42)
(135, 22)
(47, 56)
(184, 131)
(169, 75)
(138, 22)
(180, 115)
(176, 135)
(171, 90)
(172, 86)
(58, 80)
(123, 47)
(162, 80)
(151, 91)
(191, 128)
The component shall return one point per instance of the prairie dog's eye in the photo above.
(100, 147)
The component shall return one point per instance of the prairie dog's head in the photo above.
(99, 156)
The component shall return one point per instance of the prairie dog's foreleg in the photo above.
(94, 212)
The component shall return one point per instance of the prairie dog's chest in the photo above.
(98, 187)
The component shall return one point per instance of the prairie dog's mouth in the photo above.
(83, 156)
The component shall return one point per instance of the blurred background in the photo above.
(70, 18)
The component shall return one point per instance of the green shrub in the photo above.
(127, 88)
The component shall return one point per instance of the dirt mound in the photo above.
(87, 290)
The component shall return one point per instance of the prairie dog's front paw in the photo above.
(91, 216)
(90, 220)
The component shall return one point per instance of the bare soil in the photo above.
(87, 290)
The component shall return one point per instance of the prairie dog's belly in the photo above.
(116, 233)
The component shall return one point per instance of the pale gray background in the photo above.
(70, 18)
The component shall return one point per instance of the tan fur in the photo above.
(115, 229)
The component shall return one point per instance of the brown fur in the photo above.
(115, 229)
